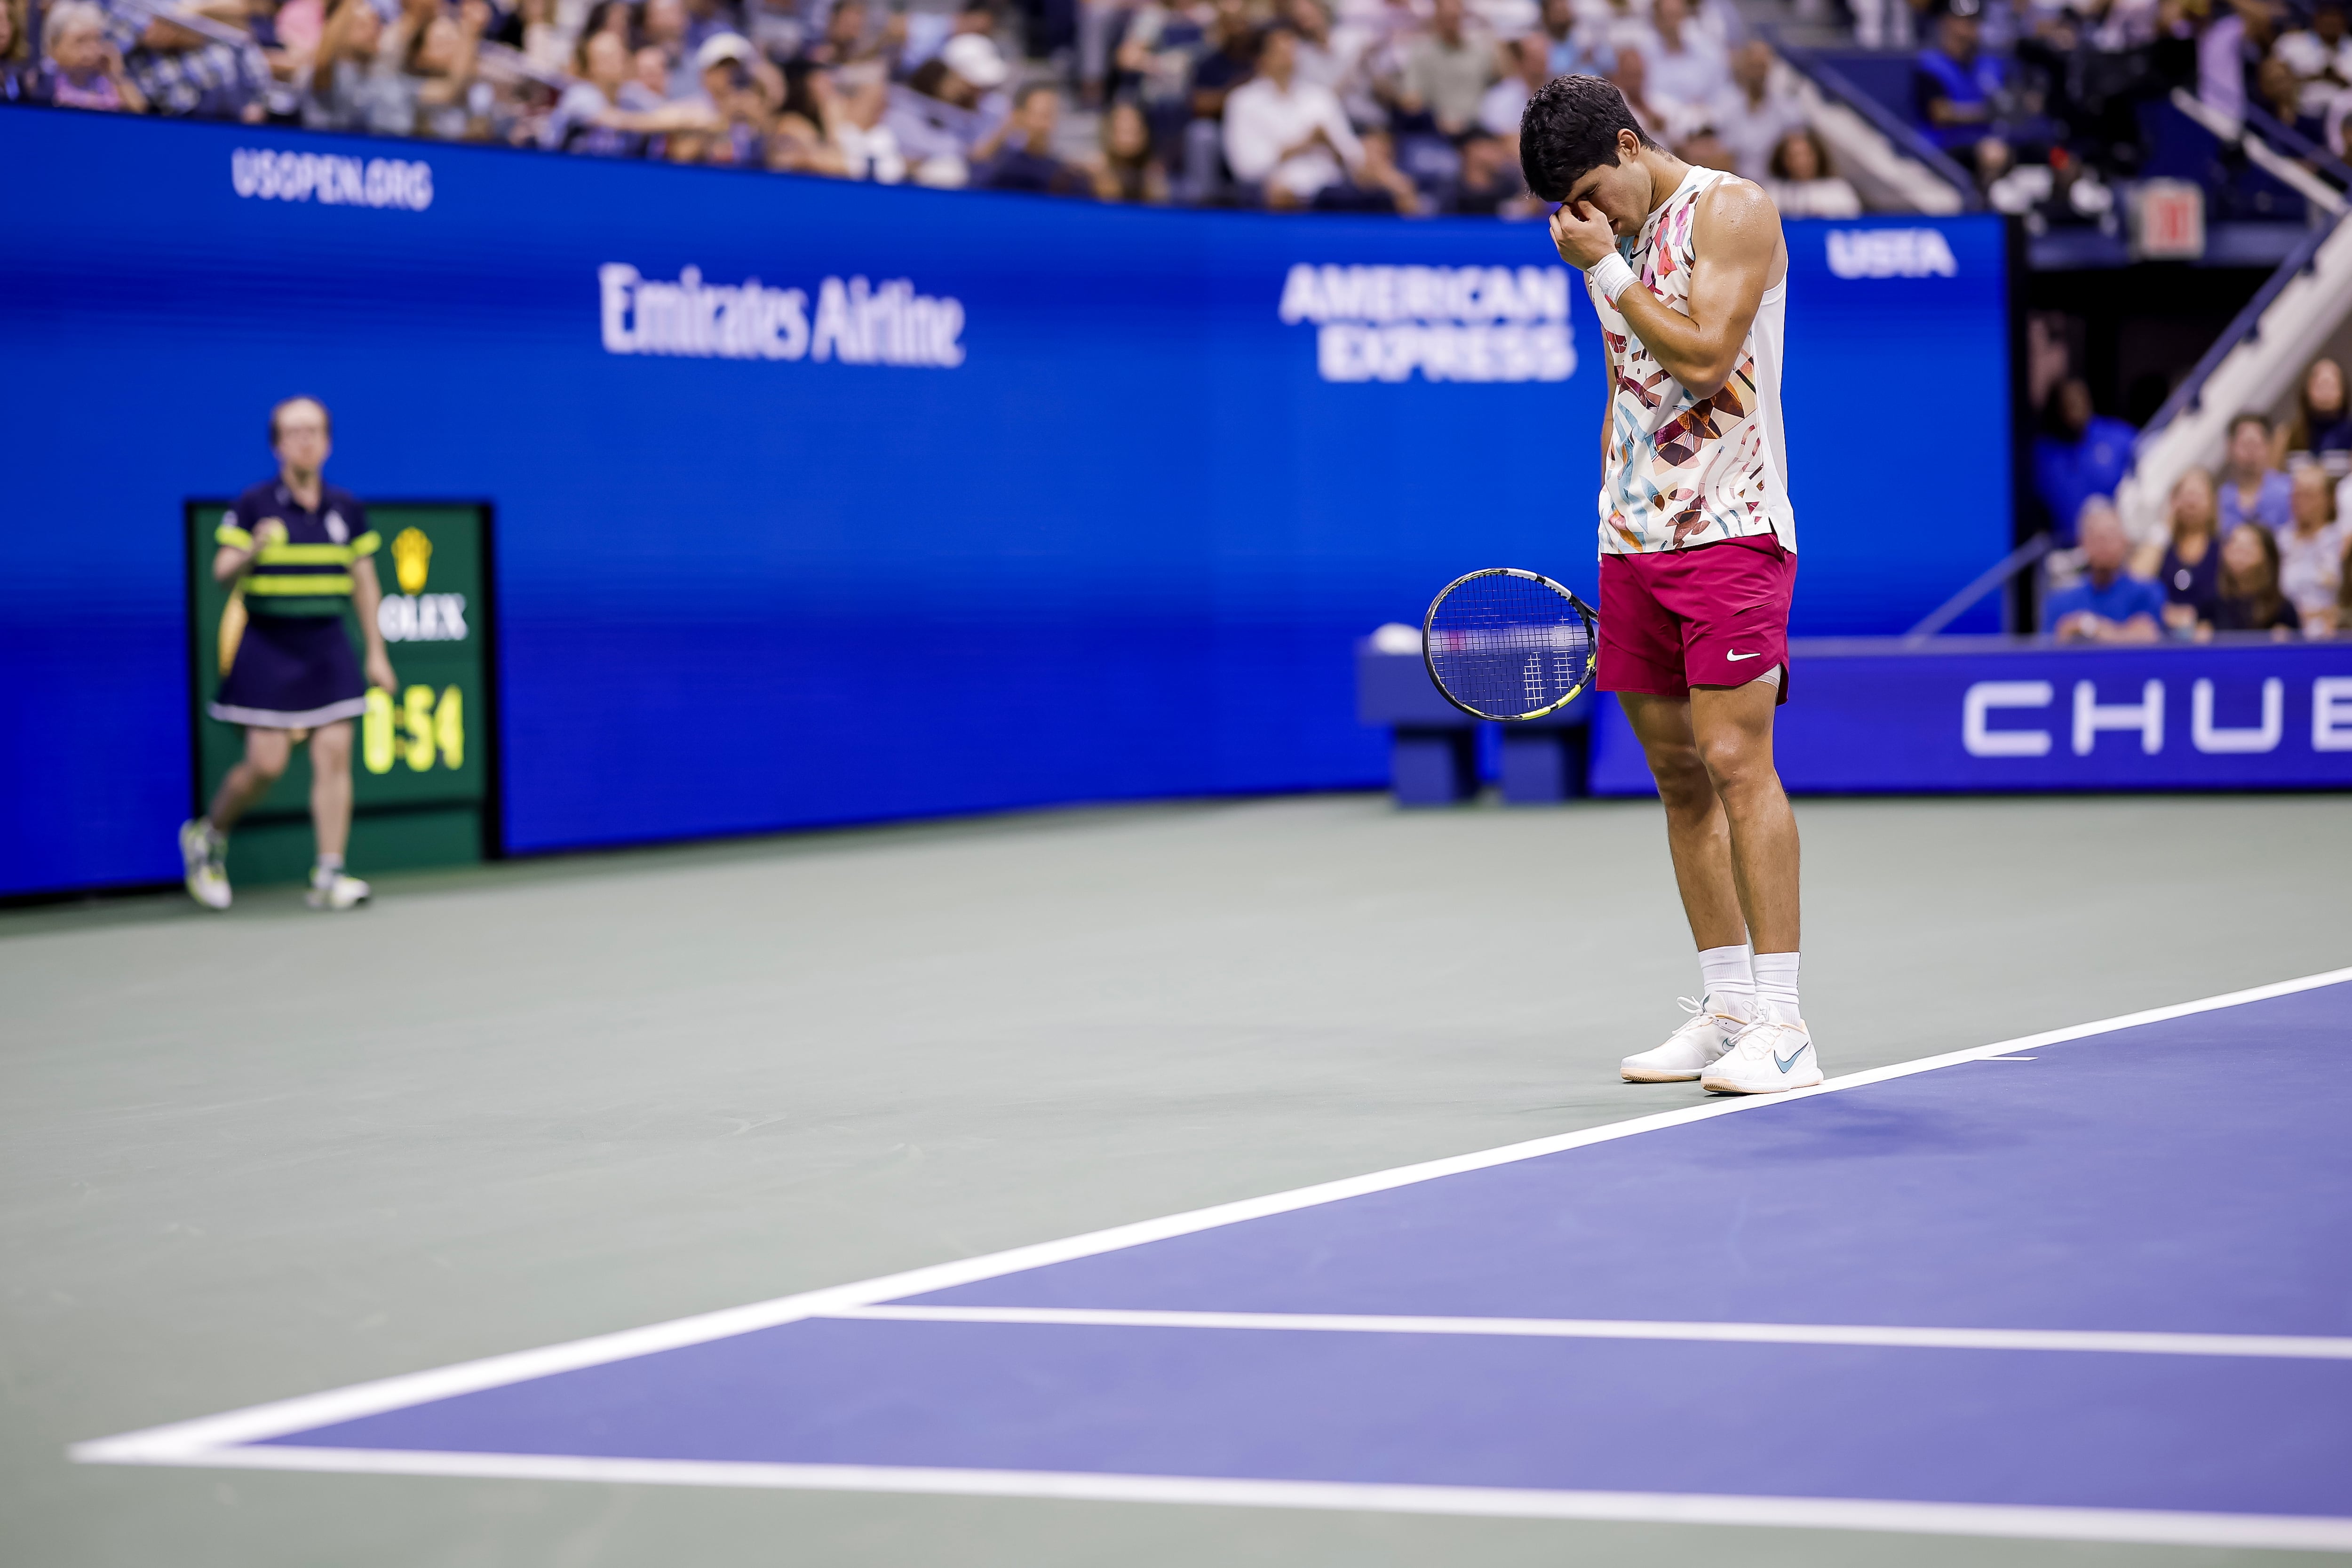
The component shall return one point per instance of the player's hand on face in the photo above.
(1582, 234)
(379, 672)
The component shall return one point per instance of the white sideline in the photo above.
(211, 1440)
(2293, 1347)
(2138, 1526)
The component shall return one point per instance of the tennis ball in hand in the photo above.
(269, 532)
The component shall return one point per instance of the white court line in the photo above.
(2292, 1347)
(2139, 1526)
(210, 1440)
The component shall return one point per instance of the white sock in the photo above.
(1775, 981)
(1723, 972)
(324, 871)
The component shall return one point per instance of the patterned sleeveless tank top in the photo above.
(1718, 464)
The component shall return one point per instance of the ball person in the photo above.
(301, 551)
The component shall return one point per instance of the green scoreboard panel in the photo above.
(424, 775)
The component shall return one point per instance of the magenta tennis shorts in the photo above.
(1715, 615)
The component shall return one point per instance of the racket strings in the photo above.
(1507, 646)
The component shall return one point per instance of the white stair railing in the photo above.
(2256, 365)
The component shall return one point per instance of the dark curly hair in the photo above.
(1570, 129)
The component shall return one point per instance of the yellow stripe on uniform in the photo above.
(293, 583)
(236, 538)
(305, 555)
(366, 543)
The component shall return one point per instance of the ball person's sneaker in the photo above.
(1706, 1035)
(336, 891)
(200, 853)
(1772, 1054)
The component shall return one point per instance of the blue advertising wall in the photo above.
(1994, 717)
(1072, 513)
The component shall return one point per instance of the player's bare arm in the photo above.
(1739, 254)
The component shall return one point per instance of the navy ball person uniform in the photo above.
(294, 668)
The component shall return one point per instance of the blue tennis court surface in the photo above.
(2098, 1286)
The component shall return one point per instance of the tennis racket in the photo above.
(1506, 644)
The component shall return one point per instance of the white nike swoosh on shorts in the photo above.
(1736, 657)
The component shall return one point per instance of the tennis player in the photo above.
(1686, 269)
(299, 550)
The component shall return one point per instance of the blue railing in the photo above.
(2296, 144)
(2246, 325)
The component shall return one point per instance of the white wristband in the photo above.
(1611, 275)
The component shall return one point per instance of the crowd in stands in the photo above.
(2264, 546)
(2050, 103)
(1408, 106)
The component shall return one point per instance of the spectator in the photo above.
(776, 30)
(1162, 42)
(1752, 118)
(2320, 55)
(587, 118)
(800, 142)
(533, 30)
(1954, 84)
(1702, 149)
(1286, 136)
(948, 116)
(2281, 95)
(2311, 547)
(2250, 600)
(1445, 75)
(1530, 63)
(1228, 64)
(1027, 161)
(86, 69)
(2342, 621)
(2108, 605)
(1318, 59)
(1491, 185)
(2221, 57)
(855, 103)
(183, 72)
(1803, 183)
(2081, 454)
(1130, 171)
(352, 84)
(2251, 487)
(442, 53)
(662, 23)
(2188, 566)
(1571, 47)
(1380, 186)
(736, 110)
(649, 69)
(1632, 77)
(22, 79)
(2322, 425)
(1686, 67)
(928, 32)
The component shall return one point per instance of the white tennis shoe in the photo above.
(1772, 1055)
(200, 854)
(337, 892)
(1706, 1035)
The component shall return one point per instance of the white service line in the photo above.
(2290, 1347)
(2139, 1526)
(203, 1441)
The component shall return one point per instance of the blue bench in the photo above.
(1434, 745)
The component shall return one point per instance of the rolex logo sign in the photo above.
(412, 614)
(411, 554)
